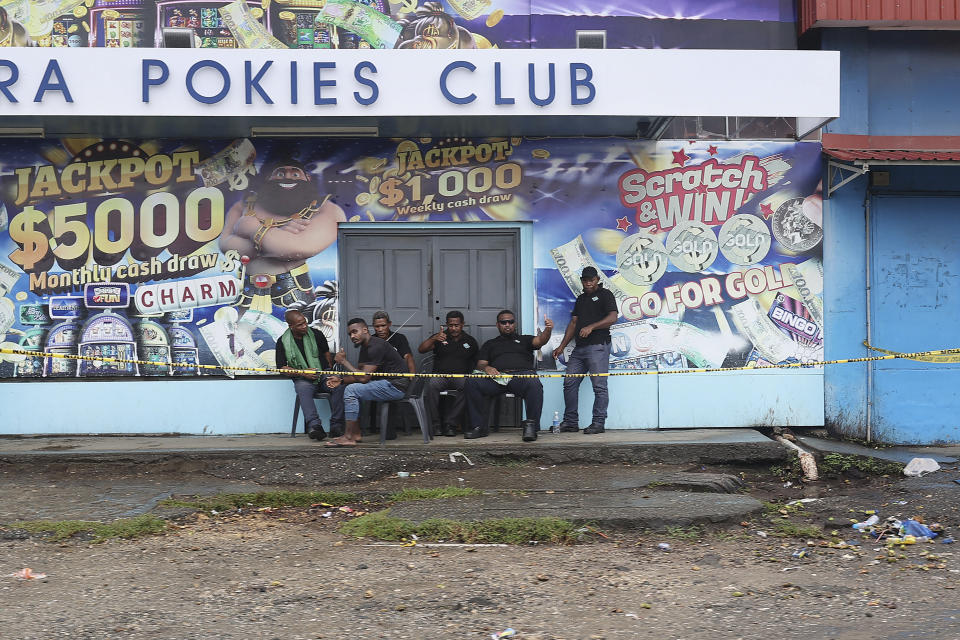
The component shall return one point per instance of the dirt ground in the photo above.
(290, 574)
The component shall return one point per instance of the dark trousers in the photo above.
(431, 398)
(480, 390)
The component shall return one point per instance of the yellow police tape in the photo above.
(953, 354)
(944, 356)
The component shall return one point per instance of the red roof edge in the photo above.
(890, 143)
(892, 148)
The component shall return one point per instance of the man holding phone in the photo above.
(454, 351)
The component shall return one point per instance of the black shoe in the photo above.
(594, 428)
(449, 430)
(317, 433)
(568, 427)
(335, 431)
(530, 429)
(476, 432)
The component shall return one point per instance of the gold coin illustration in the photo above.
(495, 17)
(543, 154)
(287, 15)
(80, 11)
(21, 295)
(363, 199)
(256, 12)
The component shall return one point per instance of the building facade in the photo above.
(343, 157)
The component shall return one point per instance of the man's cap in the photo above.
(589, 272)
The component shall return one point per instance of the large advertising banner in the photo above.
(393, 24)
(184, 253)
(262, 24)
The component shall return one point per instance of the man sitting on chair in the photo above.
(454, 351)
(304, 348)
(348, 389)
(506, 355)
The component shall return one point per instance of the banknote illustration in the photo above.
(231, 165)
(769, 341)
(248, 31)
(470, 9)
(373, 27)
(8, 278)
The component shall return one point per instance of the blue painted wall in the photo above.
(893, 83)
(845, 306)
(896, 83)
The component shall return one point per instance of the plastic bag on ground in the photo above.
(919, 467)
(914, 528)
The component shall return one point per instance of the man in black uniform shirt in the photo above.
(593, 313)
(507, 354)
(382, 329)
(453, 352)
(302, 348)
(350, 388)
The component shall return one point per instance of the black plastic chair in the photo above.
(296, 410)
(413, 397)
(446, 393)
(496, 406)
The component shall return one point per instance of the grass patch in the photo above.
(228, 501)
(438, 493)
(694, 532)
(787, 529)
(841, 463)
(383, 526)
(126, 528)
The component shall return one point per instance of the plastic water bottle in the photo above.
(556, 423)
(869, 522)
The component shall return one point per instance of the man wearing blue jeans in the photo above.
(348, 389)
(593, 313)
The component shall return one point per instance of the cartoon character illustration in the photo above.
(430, 27)
(280, 226)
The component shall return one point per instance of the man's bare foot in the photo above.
(342, 441)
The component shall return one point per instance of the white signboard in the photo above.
(552, 82)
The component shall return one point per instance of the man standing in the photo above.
(593, 313)
(382, 327)
(507, 355)
(303, 348)
(453, 352)
(349, 389)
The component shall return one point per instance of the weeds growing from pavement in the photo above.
(276, 499)
(841, 463)
(685, 533)
(438, 493)
(143, 525)
(383, 526)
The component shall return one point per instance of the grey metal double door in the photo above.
(418, 276)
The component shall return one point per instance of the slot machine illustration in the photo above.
(107, 335)
(119, 23)
(61, 340)
(31, 366)
(154, 346)
(185, 351)
(67, 30)
(297, 25)
(204, 19)
(183, 344)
